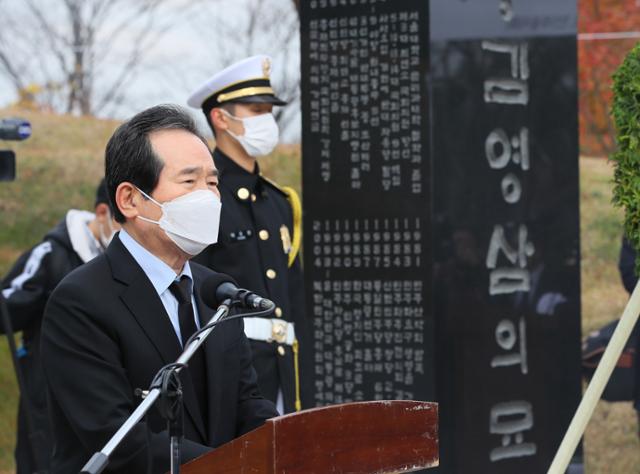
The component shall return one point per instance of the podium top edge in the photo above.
(407, 405)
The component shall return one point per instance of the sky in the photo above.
(202, 37)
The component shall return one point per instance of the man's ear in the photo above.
(128, 200)
(219, 119)
(102, 211)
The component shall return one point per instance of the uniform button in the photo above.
(264, 235)
(271, 274)
(253, 198)
(278, 312)
(281, 350)
(243, 193)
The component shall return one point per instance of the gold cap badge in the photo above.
(266, 67)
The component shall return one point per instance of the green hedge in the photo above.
(626, 115)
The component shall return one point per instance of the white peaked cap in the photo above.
(247, 81)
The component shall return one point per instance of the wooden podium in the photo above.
(366, 437)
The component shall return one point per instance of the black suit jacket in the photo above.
(106, 333)
(627, 267)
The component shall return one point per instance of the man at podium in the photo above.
(111, 324)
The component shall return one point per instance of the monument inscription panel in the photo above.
(366, 139)
(440, 180)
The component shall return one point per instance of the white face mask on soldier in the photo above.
(191, 221)
(261, 133)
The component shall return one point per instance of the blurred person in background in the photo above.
(626, 265)
(78, 238)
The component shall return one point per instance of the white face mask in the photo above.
(105, 239)
(191, 221)
(260, 133)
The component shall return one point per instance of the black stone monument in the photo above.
(441, 216)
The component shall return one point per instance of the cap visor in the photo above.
(258, 99)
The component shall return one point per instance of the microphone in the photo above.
(218, 287)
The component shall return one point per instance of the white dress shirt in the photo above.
(161, 276)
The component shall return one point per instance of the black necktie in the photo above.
(181, 290)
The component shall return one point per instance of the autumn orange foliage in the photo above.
(597, 60)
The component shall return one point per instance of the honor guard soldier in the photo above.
(260, 226)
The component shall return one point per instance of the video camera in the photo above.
(11, 129)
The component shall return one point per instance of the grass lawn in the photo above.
(59, 167)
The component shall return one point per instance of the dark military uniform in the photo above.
(254, 242)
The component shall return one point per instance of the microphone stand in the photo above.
(171, 401)
(170, 408)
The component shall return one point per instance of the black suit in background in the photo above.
(106, 333)
(27, 287)
(251, 249)
(627, 268)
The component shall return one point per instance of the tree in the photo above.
(598, 58)
(82, 53)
